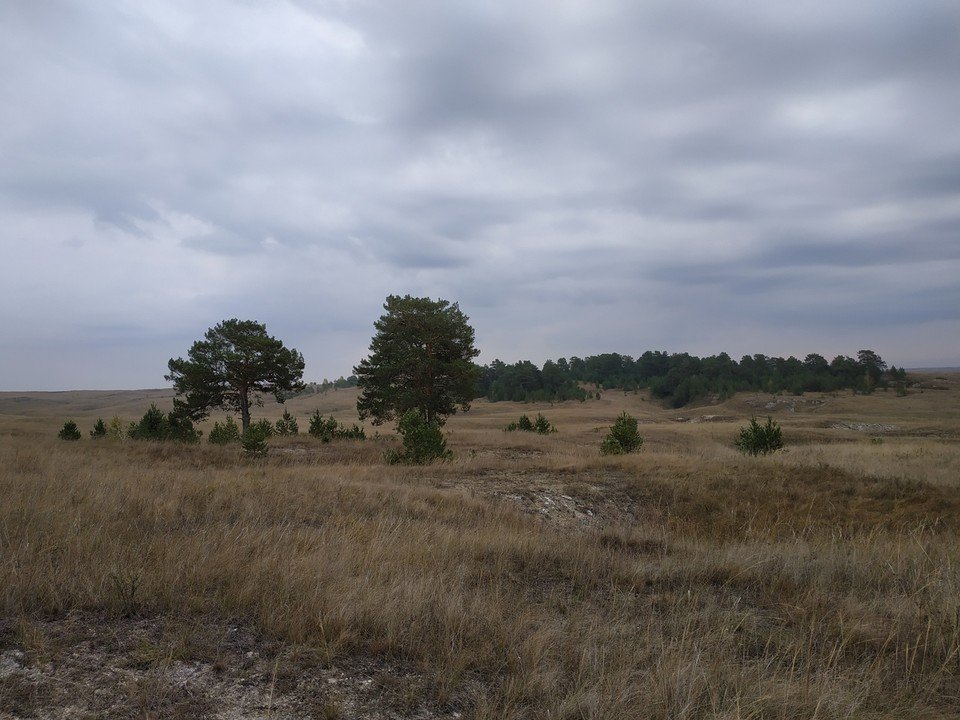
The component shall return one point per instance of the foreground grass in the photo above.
(721, 588)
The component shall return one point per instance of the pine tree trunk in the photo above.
(244, 410)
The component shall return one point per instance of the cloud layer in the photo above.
(582, 177)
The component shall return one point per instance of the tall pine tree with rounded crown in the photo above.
(234, 363)
(421, 358)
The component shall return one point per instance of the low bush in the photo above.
(539, 425)
(156, 426)
(623, 436)
(543, 426)
(423, 442)
(327, 429)
(99, 430)
(225, 434)
(69, 431)
(287, 425)
(265, 427)
(757, 439)
(116, 430)
(254, 439)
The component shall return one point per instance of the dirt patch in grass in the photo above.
(103, 667)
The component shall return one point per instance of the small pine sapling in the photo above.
(287, 425)
(225, 434)
(623, 436)
(69, 431)
(757, 439)
(423, 441)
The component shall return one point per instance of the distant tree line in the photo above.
(680, 378)
(322, 388)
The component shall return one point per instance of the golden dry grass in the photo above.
(530, 577)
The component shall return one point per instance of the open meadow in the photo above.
(529, 577)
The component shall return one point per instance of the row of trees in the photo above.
(422, 360)
(420, 364)
(680, 378)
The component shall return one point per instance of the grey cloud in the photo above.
(553, 165)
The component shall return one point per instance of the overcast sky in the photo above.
(583, 177)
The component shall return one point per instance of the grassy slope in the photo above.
(530, 577)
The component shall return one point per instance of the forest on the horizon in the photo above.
(675, 378)
(680, 378)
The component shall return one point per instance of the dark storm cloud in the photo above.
(588, 176)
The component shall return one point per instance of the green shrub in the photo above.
(152, 426)
(323, 428)
(611, 446)
(623, 436)
(327, 429)
(423, 442)
(69, 431)
(180, 429)
(225, 434)
(354, 432)
(254, 439)
(543, 426)
(540, 425)
(156, 426)
(266, 427)
(99, 430)
(287, 425)
(757, 439)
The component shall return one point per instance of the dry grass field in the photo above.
(527, 578)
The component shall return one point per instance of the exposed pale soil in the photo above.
(97, 667)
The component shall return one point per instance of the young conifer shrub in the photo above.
(354, 432)
(423, 442)
(757, 439)
(524, 423)
(180, 429)
(99, 430)
(69, 431)
(265, 426)
(156, 426)
(287, 425)
(228, 432)
(254, 440)
(116, 430)
(623, 436)
(542, 425)
(324, 429)
(152, 426)
(327, 429)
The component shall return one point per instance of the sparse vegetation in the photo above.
(529, 579)
(117, 429)
(540, 425)
(327, 429)
(757, 439)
